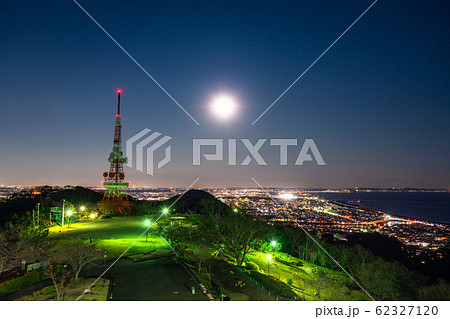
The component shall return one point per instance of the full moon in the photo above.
(223, 106)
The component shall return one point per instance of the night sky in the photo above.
(377, 104)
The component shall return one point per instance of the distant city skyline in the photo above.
(377, 104)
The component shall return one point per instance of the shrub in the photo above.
(274, 285)
(48, 290)
(221, 291)
(251, 266)
(345, 290)
(231, 260)
(16, 284)
(289, 281)
(289, 261)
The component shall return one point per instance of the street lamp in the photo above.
(146, 223)
(92, 216)
(82, 208)
(165, 210)
(274, 244)
(69, 214)
(269, 257)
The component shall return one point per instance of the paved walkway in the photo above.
(157, 279)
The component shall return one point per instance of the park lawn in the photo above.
(116, 247)
(56, 229)
(113, 235)
(303, 277)
(99, 291)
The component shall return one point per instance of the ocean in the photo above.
(430, 206)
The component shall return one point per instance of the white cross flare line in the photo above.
(136, 240)
(313, 239)
(316, 60)
(136, 62)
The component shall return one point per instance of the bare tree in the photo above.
(13, 249)
(59, 278)
(208, 269)
(79, 255)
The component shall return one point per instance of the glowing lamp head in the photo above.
(69, 213)
(119, 91)
(269, 257)
(92, 216)
(147, 223)
(223, 106)
(273, 243)
(82, 208)
(165, 210)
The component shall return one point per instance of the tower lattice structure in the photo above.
(115, 199)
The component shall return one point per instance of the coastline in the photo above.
(400, 205)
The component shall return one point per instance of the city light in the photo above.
(147, 222)
(274, 243)
(92, 216)
(287, 196)
(82, 208)
(165, 210)
(69, 213)
(269, 257)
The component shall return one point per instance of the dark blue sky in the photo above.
(377, 104)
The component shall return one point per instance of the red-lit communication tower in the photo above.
(115, 199)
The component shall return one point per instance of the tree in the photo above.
(59, 277)
(79, 255)
(238, 234)
(322, 281)
(437, 291)
(295, 236)
(13, 249)
(210, 206)
(36, 238)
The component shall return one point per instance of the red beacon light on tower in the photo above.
(119, 90)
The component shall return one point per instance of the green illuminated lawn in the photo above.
(115, 247)
(306, 278)
(115, 235)
(98, 291)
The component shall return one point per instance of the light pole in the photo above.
(69, 213)
(39, 204)
(63, 214)
(269, 257)
(147, 223)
